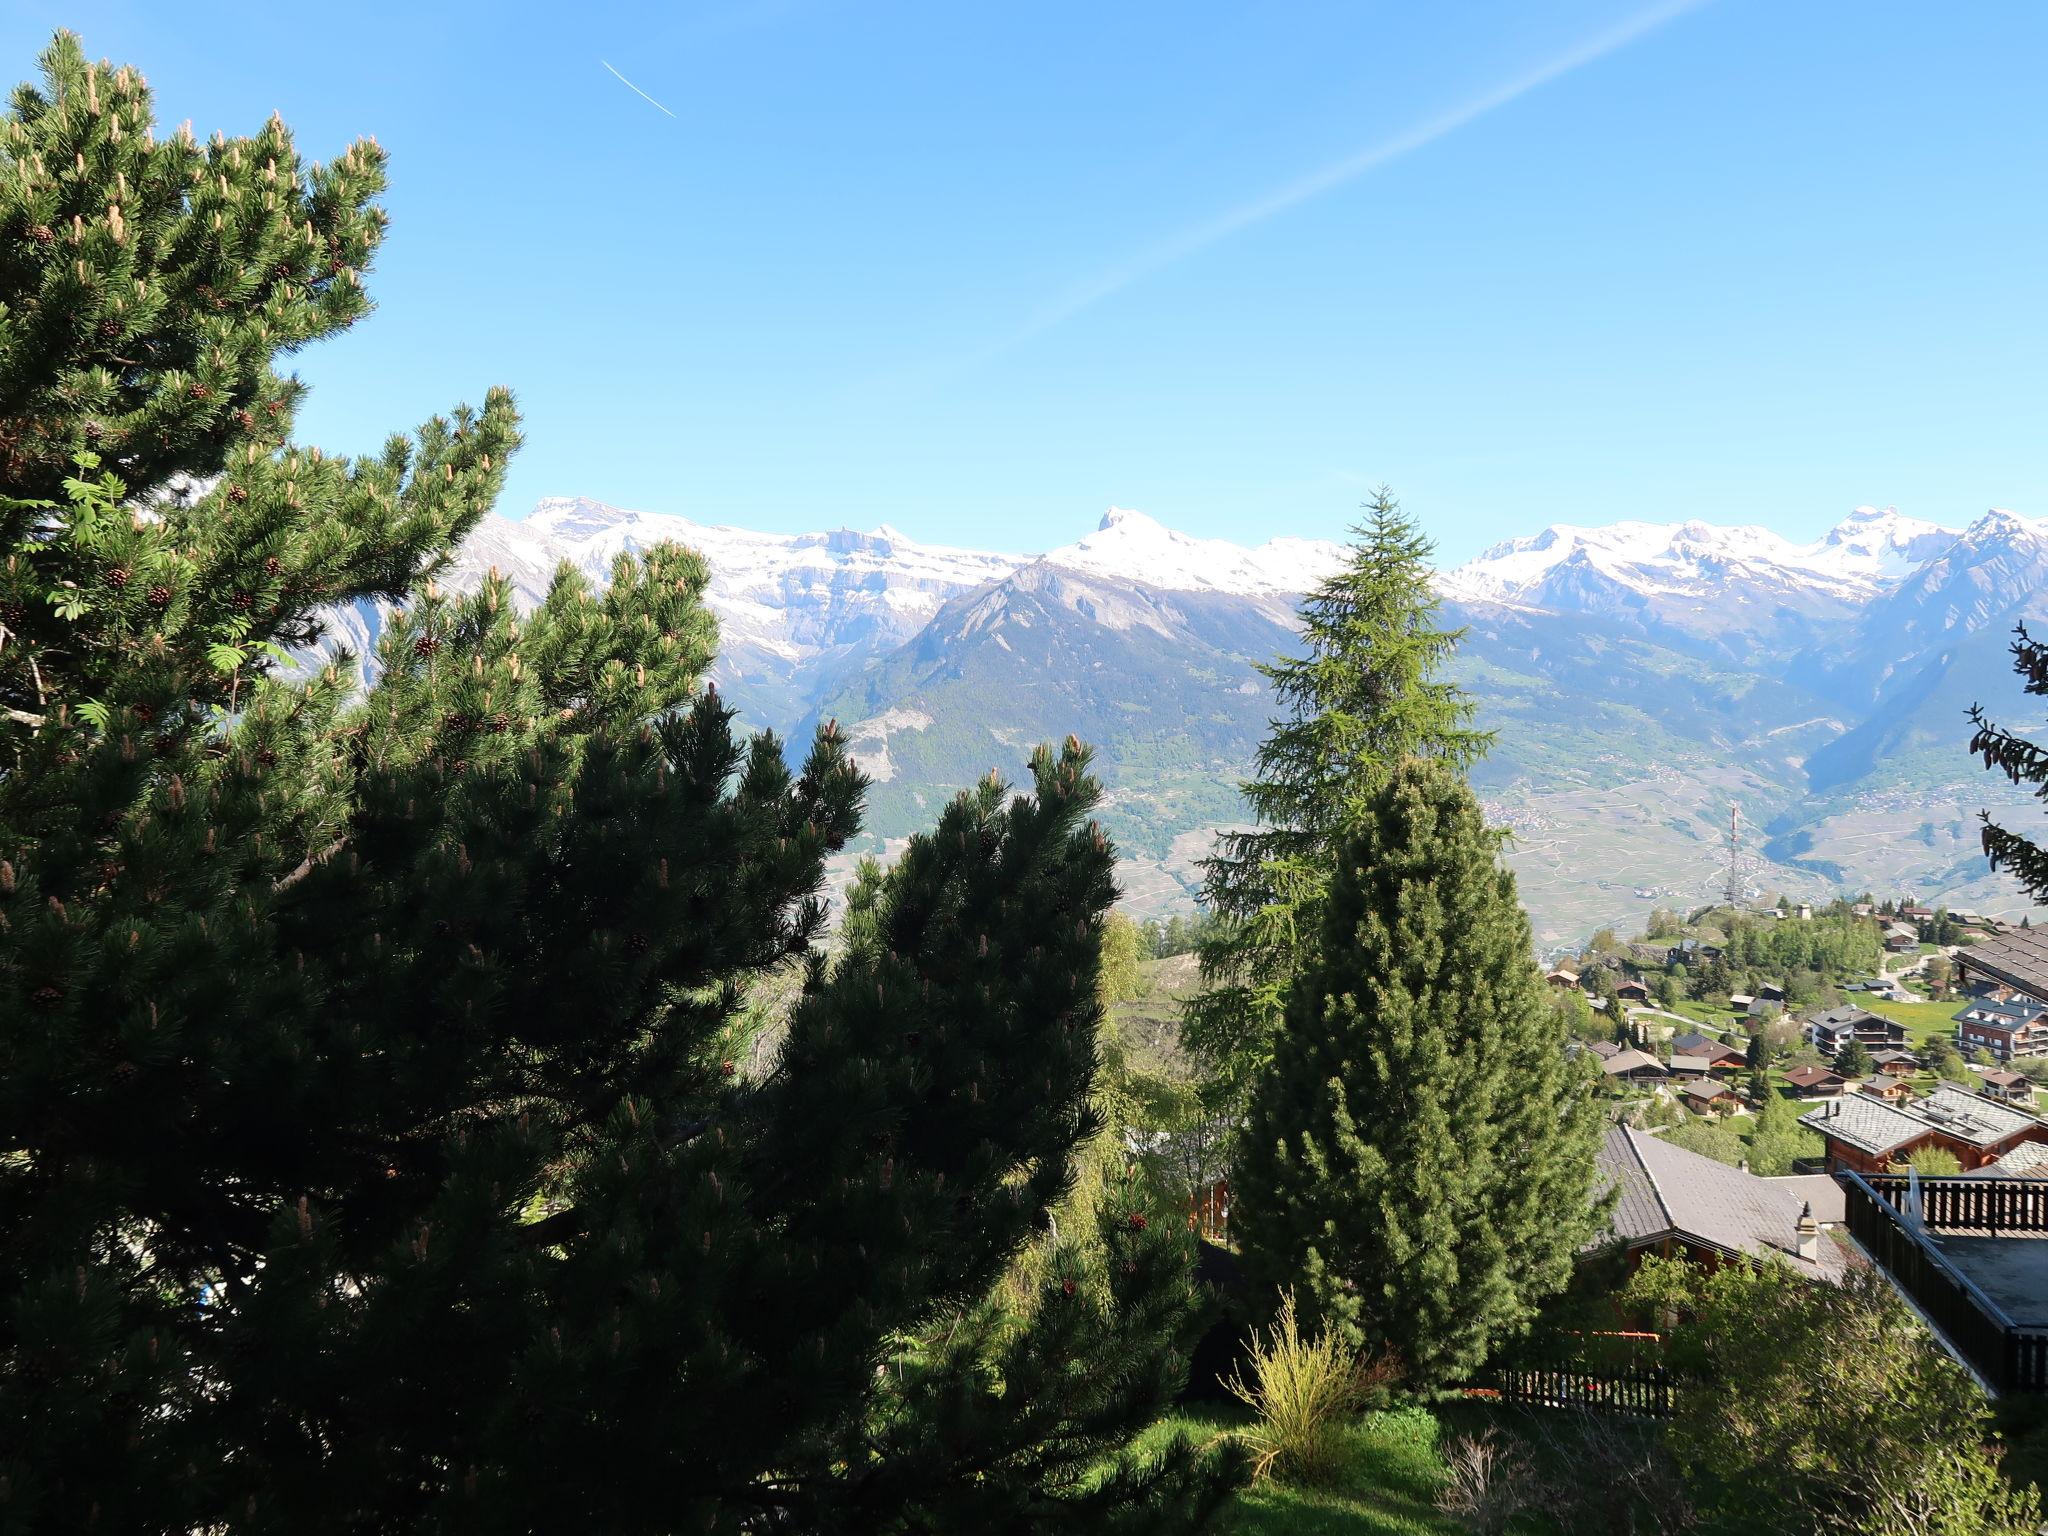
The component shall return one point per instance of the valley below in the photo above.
(1645, 682)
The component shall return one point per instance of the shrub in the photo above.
(1491, 1479)
(1934, 1163)
(1303, 1390)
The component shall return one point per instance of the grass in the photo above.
(1923, 1021)
(1393, 1471)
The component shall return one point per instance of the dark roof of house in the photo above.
(1662, 1190)
(1693, 1043)
(1887, 1053)
(2004, 1079)
(1706, 1088)
(1998, 1012)
(1630, 1061)
(1806, 1077)
(2018, 957)
(1604, 1049)
(1848, 1014)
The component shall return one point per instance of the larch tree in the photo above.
(1365, 694)
(1418, 1161)
(372, 1155)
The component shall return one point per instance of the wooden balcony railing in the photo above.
(2009, 1357)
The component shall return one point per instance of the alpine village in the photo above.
(483, 1083)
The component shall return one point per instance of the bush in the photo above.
(1491, 1479)
(1824, 1408)
(1303, 1391)
(1934, 1163)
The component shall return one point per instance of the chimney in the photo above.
(1809, 1234)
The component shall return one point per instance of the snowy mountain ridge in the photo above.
(1866, 553)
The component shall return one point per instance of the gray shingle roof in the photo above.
(1819, 1190)
(1629, 1061)
(2019, 956)
(1667, 1191)
(1873, 1126)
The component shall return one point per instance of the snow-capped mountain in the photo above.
(1639, 676)
(1672, 565)
(1133, 547)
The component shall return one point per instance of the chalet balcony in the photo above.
(1973, 1257)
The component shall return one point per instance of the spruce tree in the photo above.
(1365, 694)
(372, 1153)
(2025, 763)
(1419, 1157)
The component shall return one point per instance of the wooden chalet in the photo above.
(2008, 1088)
(1865, 1134)
(1883, 1085)
(1708, 1095)
(1816, 1082)
(2010, 1026)
(1633, 1066)
(1678, 1204)
(1835, 1028)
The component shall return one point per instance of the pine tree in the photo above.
(1419, 1158)
(1365, 695)
(2022, 761)
(374, 1154)
(1853, 1060)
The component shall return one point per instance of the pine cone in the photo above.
(159, 596)
(117, 578)
(236, 493)
(272, 565)
(242, 602)
(47, 996)
(425, 646)
(266, 757)
(636, 943)
(144, 713)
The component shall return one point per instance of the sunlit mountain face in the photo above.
(1643, 678)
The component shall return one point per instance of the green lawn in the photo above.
(1923, 1021)
(1390, 1489)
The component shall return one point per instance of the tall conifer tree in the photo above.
(1419, 1157)
(372, 1155)
(1366, 693)
(2025, 763)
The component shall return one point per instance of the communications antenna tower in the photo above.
(1735, 889)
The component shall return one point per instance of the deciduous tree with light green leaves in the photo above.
(1825, 1408)
(1418, 1163)
(1366, 693)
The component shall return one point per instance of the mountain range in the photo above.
(1647, 681)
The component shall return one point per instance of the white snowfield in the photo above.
(1869, 551)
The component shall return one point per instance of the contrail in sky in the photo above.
(1419, 135)
(629, 85)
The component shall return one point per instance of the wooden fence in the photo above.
(2009, 1357)
(1644, 1392)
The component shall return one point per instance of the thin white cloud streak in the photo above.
(629, 85)
(1419, 136)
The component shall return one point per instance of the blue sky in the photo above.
(981, 271)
